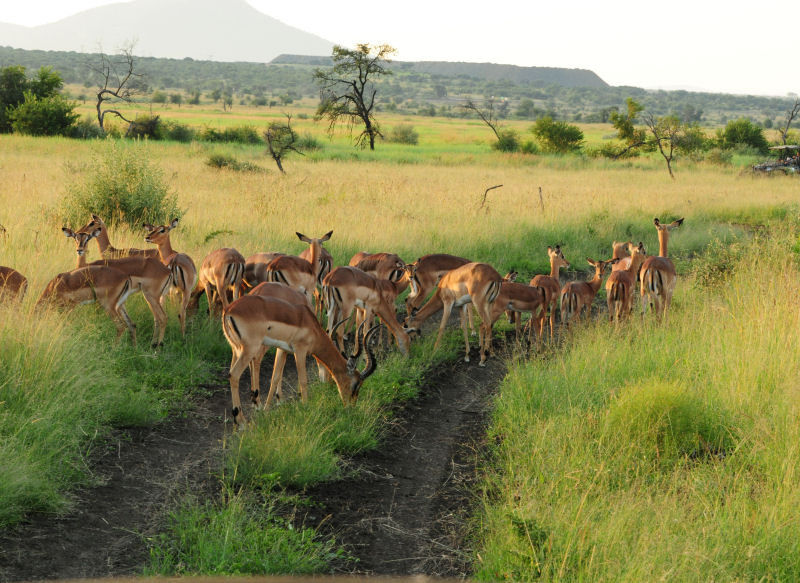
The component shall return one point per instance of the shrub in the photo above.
(240, 135)
(719, 156)
(307, 142)
(557, 137)
(507, 141)
(43, 116)
(177, 132)
(122, 186)
(87, 128)
(231, 163)
(404, 134)
(145, 126)
(743, 132)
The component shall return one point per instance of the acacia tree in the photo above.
(281, 139)
(117, 81)
(347, 92)
(666, 132)
(790, 116)
(627, 131)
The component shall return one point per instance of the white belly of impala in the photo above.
(467, 299)
(278, 344)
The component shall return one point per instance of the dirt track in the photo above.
(401, 512)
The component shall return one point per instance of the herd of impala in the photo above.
(288, 295)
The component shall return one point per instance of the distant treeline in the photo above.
(424, 88)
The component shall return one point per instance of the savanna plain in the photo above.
(615, 452)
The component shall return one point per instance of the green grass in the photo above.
(657, 451)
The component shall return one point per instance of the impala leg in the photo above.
(463, 319)
(240, 361)
(276, 381)
(302, 376)
(123, 313)
(159, 318)
(184, 303)
(446, 309)
(255, 377)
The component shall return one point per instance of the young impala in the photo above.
(552, 285)
(220, 278)
(577, 295)
(621, 284)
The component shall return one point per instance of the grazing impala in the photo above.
(478, 283)
(387, 266)
(552, 285)
(184, 272)
(424, 274)
(287, 294)
(12, 283)
(621, 284)
(220, 274)
(107, 250)
(255, 268)
(252, 322)
(577, 295)
(107, 286)
(658, 273)
(347, 288)
(146, 274)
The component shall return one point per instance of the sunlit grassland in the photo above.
(658, 451)
(410, 200)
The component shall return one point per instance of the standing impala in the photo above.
(622, 282)
(519, 298)
(107, 250)
(658, 273)
(620, 251)
(476, 283)
(184, 272)
(295, 272)
(252, 322)
(424, 274)
(552, 285)
(220, 274)
(577, 295)
(146, 274)
(320, 259)
(348, 288)
(255, 268)
(12, 283)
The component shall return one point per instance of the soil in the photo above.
(401, 510)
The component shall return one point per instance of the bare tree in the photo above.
(666, 133)
(118, 82)
(790, 115)
(347, 91)
(487, 114)
(281, 139)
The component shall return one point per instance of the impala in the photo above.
(253, 321)
(577, 295)
(621, 283)
(255, 268)
(347, 288)
(12, 283)
(424, 274)
(184, 272)
(658, 273)
(387, 266)
(519, 298)
(146, 274)
(295, 272)
(220, 274)
(552, 285)
(106, 249)
(106, 286)
(620, 251)
(320, 259)
(476, 283)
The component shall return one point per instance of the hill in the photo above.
(200, 29)
(483, 71)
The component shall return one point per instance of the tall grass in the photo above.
(657, 451)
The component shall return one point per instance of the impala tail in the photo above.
(653, 281)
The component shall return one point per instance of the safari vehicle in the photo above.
(787, 160)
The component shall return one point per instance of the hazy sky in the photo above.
(729, 47)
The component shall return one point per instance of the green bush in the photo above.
(43, 116)
(743, 132)
(177, 132)
(87, 128)
(122, 186)
(238, 135)
(231, 163)
(145, 126)
(558, 137)
(507, 141)
(308, 143)
(404, 134)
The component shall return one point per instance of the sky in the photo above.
(697, 45)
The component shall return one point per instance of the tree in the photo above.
(745, 132)
(666, 132)
(43, 116)
(281, 139)
(626, 129)
(558, 137)
(14, 85)
(116, 79)
(790, 115)
(347, 91)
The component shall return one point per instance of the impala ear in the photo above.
(174, 223)
(148, 226)
(302, 237)
(675, 224)
(95, 233)
(656, 222)
(68, 232)
(329, 233)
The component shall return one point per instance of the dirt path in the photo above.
(402, 512)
